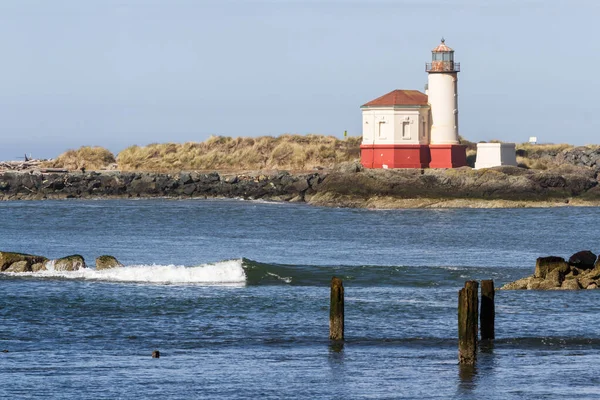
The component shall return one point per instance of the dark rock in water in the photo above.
(7, 259)
(156, 354)
(70, 263)
(583, 259)
(107, 262)
(544, 265)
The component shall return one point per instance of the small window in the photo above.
(406, 130)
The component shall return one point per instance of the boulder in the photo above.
(70, 263)
(583, 259)
(349, 167)
(19, 266)
(592, 285)
(534, 283)
(585, 282)
(554, 278)
(570, 284)
(544, 265)
(38, 267)
(107, 262)
(520, 284)
(8, 258)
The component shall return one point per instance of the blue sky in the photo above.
(115, 73)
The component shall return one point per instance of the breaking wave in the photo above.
(243, 271)
(228, 272)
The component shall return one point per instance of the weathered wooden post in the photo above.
(467, 323)
(336, 311)
(488, 311)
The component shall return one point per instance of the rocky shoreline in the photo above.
(347, 186)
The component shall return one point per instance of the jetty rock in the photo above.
(349, 184)
(20, 262)
(554, 273)
(70, 263)
(583, 259)
(107, 262)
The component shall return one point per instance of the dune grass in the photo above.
(91, 158)
(539, 156)
(289, 152)
(286, 152)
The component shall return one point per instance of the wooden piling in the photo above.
(467, 323)
(488, 311)
(336, 310)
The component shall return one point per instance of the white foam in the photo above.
(228, 272)
(50, 265)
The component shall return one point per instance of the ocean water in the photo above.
(235, 295)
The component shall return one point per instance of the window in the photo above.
(406, 129)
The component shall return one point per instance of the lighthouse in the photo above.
(410, 129)
(444, 147)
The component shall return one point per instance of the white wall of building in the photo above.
(443, 99)
(495, 154)
(394, 125)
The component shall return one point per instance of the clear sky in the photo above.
(115, 73)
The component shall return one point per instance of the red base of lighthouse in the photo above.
(447, 155)
(394, 155)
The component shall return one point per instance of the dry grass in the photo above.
(91, 158)
(538, 150)
(289, 152)
(539, 156)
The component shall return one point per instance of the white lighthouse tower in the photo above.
(444, 146)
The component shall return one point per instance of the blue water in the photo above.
(235, 296)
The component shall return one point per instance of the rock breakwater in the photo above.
(580, 271)
(348, 186)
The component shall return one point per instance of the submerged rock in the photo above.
(24, 262)
(107, 262)
(70, 263)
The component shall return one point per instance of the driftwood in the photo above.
(19, 165)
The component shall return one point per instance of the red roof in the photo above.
(400, 98)
(442, 48)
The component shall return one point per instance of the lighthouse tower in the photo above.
(444, 147)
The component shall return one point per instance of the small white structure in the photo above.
(495, 154)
